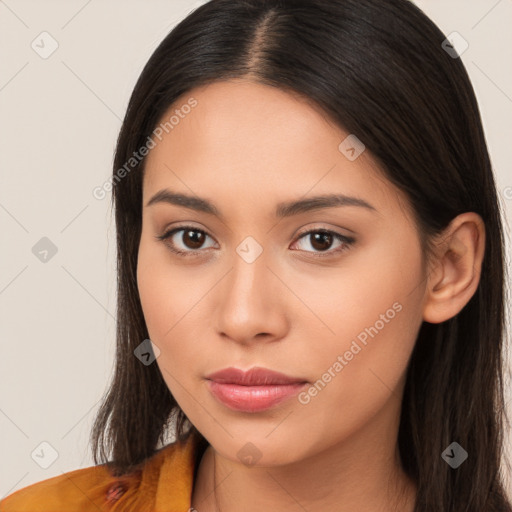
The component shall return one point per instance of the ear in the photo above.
(455, 268)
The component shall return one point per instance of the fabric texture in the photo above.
(164, 484)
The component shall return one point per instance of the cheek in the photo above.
(164, 296)
(151, 284)
(169, 301)
(159, 303)
(373, 310)
(364, 292)
(361, 381)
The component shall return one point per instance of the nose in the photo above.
(252, 303)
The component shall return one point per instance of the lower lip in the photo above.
(253, 398)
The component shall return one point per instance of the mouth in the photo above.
(256, 390)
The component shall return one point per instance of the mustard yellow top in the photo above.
(164, 484)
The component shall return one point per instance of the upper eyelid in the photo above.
(306, 231)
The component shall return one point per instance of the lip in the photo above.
(256, 376)
(255, 390)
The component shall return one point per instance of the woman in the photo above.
(310, 273)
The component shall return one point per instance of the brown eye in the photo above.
(185, 240)
(193, 239)
(321, 240)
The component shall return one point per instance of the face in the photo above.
(331, 295)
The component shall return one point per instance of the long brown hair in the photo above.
(379, 69)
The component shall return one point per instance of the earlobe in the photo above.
(455, 271)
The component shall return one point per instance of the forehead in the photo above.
(252, 119)
(248, 141)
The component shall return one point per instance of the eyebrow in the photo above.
(285, 209)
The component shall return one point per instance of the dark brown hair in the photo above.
(378, 68)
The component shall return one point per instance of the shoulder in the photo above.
(74, 489)
(95, 489)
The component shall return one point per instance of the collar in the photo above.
(177, 475)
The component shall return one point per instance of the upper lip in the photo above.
(256, 376)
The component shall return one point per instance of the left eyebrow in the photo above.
(285, 209)
(319, 202)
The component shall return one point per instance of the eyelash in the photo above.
(347, 241)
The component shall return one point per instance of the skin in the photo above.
(247, 147)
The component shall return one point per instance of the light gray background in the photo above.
(60, 117)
